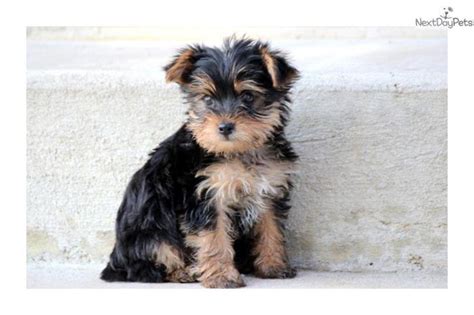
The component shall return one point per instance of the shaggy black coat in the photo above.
(163, 191)
(160, 204)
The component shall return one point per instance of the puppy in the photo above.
(211, 201)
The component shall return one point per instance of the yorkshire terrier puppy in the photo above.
(212, 200)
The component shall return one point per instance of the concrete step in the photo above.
(397, 65)
(87, 276)
(369, 122)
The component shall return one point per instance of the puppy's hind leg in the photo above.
(125, 270)
(145, 271)
(171, 258)
(133, 264)
(132, 261)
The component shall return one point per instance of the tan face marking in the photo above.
(202, 84)
(250, 133)
(247, 85)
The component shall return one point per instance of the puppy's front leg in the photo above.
(271, 258)
(215, 255)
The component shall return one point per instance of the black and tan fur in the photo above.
(211, 201)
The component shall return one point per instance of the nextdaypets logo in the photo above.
(445, 19)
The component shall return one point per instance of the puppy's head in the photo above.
(237, 94)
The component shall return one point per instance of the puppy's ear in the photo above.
(180, 69)
(282, 73)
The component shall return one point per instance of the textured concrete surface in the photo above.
(86, 276)
(369, 122)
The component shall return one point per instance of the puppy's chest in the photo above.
(244, 185)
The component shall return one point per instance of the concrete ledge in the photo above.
(398, 65)
(369, 122)
(87, 276)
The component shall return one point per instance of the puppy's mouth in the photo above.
(227, 138)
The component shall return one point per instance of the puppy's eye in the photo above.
(208, 100)
(247, 97)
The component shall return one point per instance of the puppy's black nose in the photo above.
(226, 128)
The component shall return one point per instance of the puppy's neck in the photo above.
(253, 156)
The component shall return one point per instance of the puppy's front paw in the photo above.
(224, 281)
(284, 272)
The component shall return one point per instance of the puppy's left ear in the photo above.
(179, 70)
(282, 73)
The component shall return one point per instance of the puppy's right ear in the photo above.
(180, 69)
